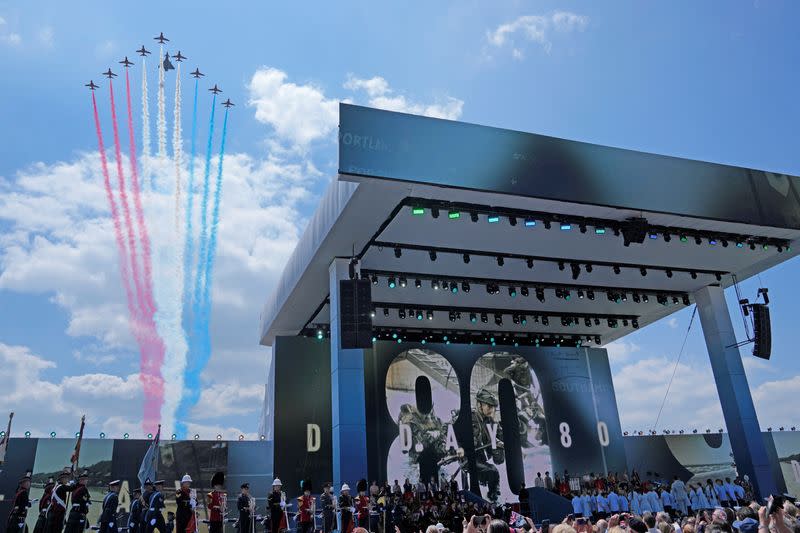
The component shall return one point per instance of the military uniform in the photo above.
(19, 512)
(153, 517)
(326, 502)
(245, 514)
(345, 509)
(184, 509)
(487, 473)
(81, 500)
(216, 501)
(57, 510)
(108, 515)
(275, 503)
(44, 503)
(135, 515)
(306, 507)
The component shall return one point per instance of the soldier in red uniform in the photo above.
(81, 500)
(362, 504)
(216, 503)
(307, 506)
(16, 520)
(44, 502)
(57, 509)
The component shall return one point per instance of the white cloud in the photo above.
(299, 114)
(46, 36)
(382, 96)
(620, 351)
(538, 29)
(231, 398)
(672, 322)
(105, 49)
(13, 39)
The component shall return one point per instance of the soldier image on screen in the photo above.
(531, 413)
(276, 503)
(346, 510)
(482, 417)
(306, 507)
(135, 515)
(19, 511)
(108, 514)
(44, 502)
(326, 501)
(215, 502)
(57, 510)
(184, 504)
(246, 507)
(154, 502)
(430, 433)
(81, 500)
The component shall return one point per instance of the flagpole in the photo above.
(5, 440)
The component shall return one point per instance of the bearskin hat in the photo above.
(306, 485)
(218, 479)
(362, 485)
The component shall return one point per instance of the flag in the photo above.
(5, 439)
(150, 460)
(76, 453)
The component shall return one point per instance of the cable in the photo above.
(674, 370)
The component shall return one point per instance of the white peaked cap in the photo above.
(345, 487)
(277, 482)
(186, 479)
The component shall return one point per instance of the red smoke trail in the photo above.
(137, 202)
(137, 325)
(152, 347)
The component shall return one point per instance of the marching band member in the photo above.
(276, 501)
(57, 510)
(153, 518)
(108, 514)
(246, 506)
(135, 516)
(346, 509)
(44, 502)
(216, 501)
(307, 506)
(16, 520)
(81, 500)
(362, 504)
(328, 506)
(185, 504)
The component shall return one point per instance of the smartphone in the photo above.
(545, 526)
(478, 521)
(774, 503)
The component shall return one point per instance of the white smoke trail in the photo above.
(145, 130)
(162, 121)
(171, 307)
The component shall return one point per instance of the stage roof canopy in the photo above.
(530, 230)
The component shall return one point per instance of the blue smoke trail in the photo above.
(199, 342)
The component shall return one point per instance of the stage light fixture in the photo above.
(391, 282)
(565, 294)
(454, 287)
(417, 211)
(718, 276)
(374, 279)
(645, 298)
(684, 238)
(724, 243)
(473, 216)
(452, 214)
(515, 318)
(435, 212)
(625, 322)
(697, 240)
(582, 227)
(643, 271)
(500, 260)
(320, 334)
(685, 299)
(530, 222)
(445, 285)
(565, 226)
(403, 282)
(590, 294)
(752, 245)
(498, 319)
(484, 318)
(623, 297)
(432, 255)
(512, 292)
(545, 320)
(465, 257)
(435, 284)
(616, 269)
(241, 437)
(102, 435)
(523, 320)
(529, 262)
(473, 317)
(465, 286)
(576, 270)
(587, 322)
(372, 313)
(712, 241)
(219, 437)
(418, 314)
(546, 223)
(653, 235)
(401, 314)
(739, 244)
(196, 436)
(668, 272)
(599, 230)
(667, 237)
(398, 252)
(540, 294)
(660, 298)
(524, 291)
(674, 299)
(512, 221)
(693, 274)
(580, 294)
(492, 219)
(417, 283)
(451, 316)
(125, 436)
(635, 297)
(589, 267)
(52, 434)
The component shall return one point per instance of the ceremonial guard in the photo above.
(16, 520)
(346, 510)
(44, 502)
(216, 501)
(185, 502)
(108, 516)
(328, 508)
(135, 515)
(81, 500)
(57, 510)
(307, 507)
(247, 507)
(276, 501)
(153, 517)
(362, 504)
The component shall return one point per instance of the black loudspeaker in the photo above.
(355, 305)
(763, 332)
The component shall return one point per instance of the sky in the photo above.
(680, 78)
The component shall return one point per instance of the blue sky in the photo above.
(679, 78)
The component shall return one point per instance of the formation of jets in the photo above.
(126, 63)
